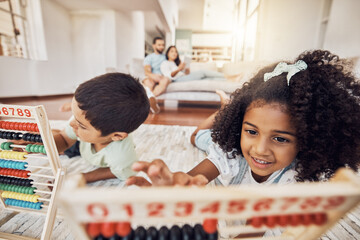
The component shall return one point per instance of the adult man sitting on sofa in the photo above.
(154, 80)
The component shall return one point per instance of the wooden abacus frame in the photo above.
(187, 204)
(38, 115)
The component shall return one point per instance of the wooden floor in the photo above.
(182, 116)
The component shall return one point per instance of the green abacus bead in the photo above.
(2, 145)
(43, 149)
(13, 188)
(36, 148)
(28, 147)
(7, 145)
(32, 148)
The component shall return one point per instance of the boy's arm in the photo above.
(98, 174)
(62, 140)
(151, 75)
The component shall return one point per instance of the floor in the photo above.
(182, 116)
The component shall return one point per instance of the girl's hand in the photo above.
(160, 175)
(182, 66)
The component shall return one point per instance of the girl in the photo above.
(176, 70)
(296, 121)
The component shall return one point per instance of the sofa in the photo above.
(201, 92)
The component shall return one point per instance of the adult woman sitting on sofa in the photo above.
(177, 70)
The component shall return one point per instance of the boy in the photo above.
(106, 109)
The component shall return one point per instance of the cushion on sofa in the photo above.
(203, 86)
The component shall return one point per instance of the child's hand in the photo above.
(160, 175)
(182, 66)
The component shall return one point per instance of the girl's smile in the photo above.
(268, 140)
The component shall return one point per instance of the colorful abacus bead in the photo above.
(12, 164)
(6, 145)
(19, 189)
(14, 172)
(22, 126)
(13, 155)
(15, 181)
(24, 204)
(20, 196)
(35, 148)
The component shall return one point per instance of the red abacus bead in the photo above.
(123, 229)
(7, 125)
(257, 222)
(37, 128)
(16, 126)
(320, 218)
(271, 221)
(1, 123)
(307, 219)
(25, 174)
(28, 127)
(33, 127)
(295, 220)
(12, 125)
(210, 225)
(108, 229)
(284, 220)
(93, 229)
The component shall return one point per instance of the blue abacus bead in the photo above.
(100, 237)
(163, 233)
(199, 232)
(6, 164)
(175, 233)
(151, 233)
(130, 236)
(187, 232)
(140, 233)
(115, 237)
(38, 205)
(17, 136)
(23, 165)
(213, 236)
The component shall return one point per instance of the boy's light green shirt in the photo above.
(118, 155)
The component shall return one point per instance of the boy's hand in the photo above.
(160, 175)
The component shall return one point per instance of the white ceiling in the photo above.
(119, 5)
(154, 18)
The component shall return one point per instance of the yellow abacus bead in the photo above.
(20, 156)
(7, 154)
(35, 198)
(13, 155)
(4, 194)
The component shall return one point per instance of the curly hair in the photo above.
(324, 104)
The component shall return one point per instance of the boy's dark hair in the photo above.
(324, 104)
(177, 60)
(113, 102)
(157, 38)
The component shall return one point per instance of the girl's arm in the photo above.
(205, 168)
(180, 68)
(161, 175)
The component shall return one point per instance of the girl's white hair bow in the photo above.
(291, 69)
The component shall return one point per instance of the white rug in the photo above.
(170, 143)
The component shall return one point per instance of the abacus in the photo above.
(30, 170)
(303, 211)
